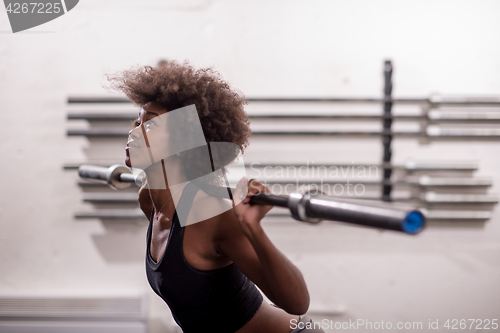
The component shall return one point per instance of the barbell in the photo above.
(304, 207)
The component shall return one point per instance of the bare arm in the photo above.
(246, 243)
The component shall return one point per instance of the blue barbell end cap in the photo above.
(414, 222)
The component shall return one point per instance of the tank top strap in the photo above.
(185, 202)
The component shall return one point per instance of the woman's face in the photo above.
(148, 140)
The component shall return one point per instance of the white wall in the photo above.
(264, 48)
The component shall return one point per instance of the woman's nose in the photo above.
(135, 133)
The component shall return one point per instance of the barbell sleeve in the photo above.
(313, 209)
(117, 176)
(303, 207)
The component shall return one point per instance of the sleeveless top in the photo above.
(219, 300)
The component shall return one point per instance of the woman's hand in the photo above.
(249, 215)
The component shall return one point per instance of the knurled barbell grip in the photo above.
(269, 199)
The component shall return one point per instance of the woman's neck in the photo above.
(162, 183)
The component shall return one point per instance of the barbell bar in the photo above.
(434, 116)
(303, 207)
(430, 132)
(434, 100)
(409, 166)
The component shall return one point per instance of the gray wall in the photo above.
(263, 48)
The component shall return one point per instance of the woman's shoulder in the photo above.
(215, 214)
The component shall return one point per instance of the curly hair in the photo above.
(173, 85)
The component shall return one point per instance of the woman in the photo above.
(206, 272)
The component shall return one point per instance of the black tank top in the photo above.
(219, 300)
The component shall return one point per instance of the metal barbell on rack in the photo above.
(435, 99)
(303, 207)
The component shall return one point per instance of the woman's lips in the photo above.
(132, 144)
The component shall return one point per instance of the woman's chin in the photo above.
(137, 164)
